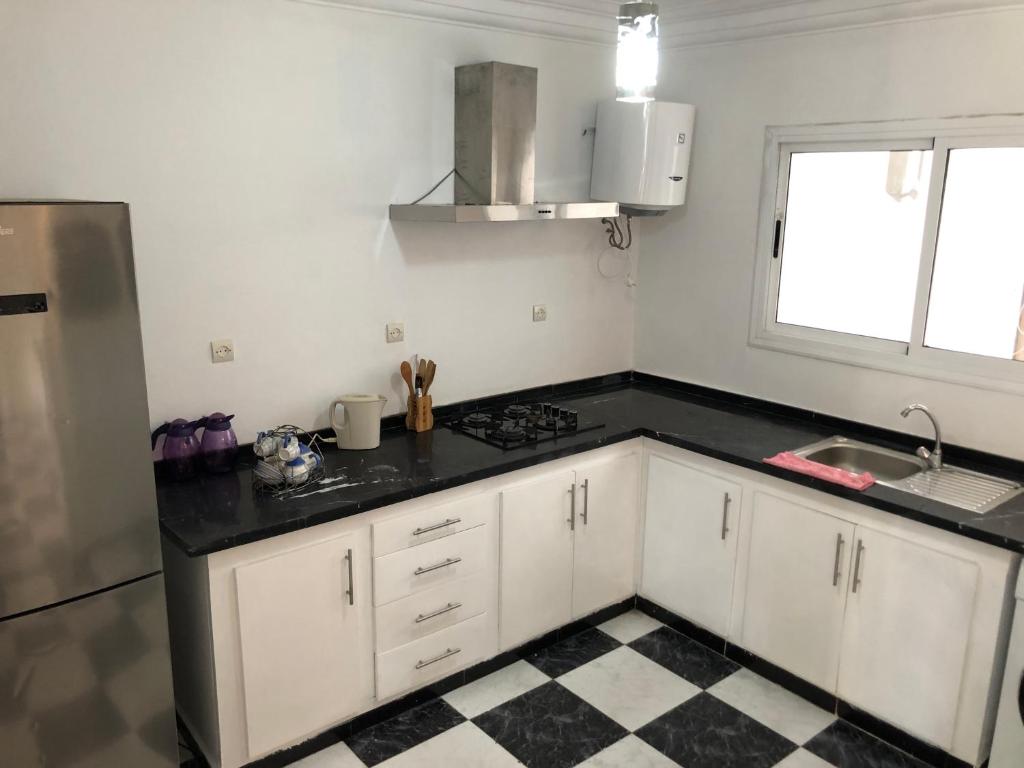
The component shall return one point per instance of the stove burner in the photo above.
(552, 425)
(507, 434)
(520, 425)
(477, 420)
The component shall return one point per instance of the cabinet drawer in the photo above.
(434, 523)
(432, 657)
(412, 570)
(434, 609)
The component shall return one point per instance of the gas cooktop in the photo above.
(519, 424)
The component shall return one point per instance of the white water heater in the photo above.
(642, 155)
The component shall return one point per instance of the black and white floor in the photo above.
(630, 692)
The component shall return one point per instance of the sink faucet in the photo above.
(934, 456)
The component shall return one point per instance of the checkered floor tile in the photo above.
(631, 692)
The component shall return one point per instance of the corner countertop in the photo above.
(217, 512)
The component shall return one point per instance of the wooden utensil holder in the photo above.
(420, 416)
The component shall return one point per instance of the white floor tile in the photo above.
(796, 719)
(629, 626)
(497, 688)
(803, 759)
(337, 756)
(629, 688)
(464, 746)
(631, 752)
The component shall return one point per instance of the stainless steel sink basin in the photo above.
(886, 466)
(962, 488)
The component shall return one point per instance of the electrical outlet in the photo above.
(540, 313)
(222, 350)
(395, 332)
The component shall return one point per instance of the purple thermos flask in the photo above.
(180, 449)
(219, 446)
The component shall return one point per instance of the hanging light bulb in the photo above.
(636, 69)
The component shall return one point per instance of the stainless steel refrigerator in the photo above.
(85, 677)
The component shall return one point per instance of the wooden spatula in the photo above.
(407, 375)
(428, 378)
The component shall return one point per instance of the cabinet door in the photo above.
(307, 645)
(796, 588)
(908, 620)
(604, 545)
(690, 537)
(536, 558)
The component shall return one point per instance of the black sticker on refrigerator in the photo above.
(23, 304)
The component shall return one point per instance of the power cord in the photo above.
(614, 231)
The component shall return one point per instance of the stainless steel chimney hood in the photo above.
(495, 153)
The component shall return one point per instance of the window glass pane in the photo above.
(978, 279)
(852, 245)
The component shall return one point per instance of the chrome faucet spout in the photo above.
(934, 456)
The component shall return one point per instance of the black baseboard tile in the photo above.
(898, 738)
(596, 618)
(779, 676)
(682, 626)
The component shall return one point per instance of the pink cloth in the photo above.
(791, 461)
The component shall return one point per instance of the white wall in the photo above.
(697, 265)
(259, 143)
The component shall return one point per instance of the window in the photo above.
(899, 247)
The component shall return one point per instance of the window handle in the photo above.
(778, 238)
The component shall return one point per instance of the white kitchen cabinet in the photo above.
(690, 538)
(536, 557)
(604, 540)
(908, 622)
(306, 628)
(796, 588)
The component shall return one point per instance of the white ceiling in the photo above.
(684, 23)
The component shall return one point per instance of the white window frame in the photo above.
(913, 358)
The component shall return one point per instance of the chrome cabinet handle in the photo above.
(429, 568)
(839, 553)
(436, 526)
(725, 515)
(856, 566)
(572, 508)
(439, 612)
(586, 499)
(449, 652)
(351, 591)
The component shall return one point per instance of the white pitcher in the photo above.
(359, 426)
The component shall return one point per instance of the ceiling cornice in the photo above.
(683, 24)
(583, 21)
(711, 22)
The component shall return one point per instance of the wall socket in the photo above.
(222, 350)
(395, 332)
(540, 313)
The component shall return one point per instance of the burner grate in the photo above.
(521, 424)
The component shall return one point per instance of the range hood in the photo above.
(495, 153)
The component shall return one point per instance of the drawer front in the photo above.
(434, 523)
(433, 657)
(413, 570)
(434, 609)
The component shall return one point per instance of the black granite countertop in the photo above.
(216, 512)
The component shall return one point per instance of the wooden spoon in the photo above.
(428, 379)
(407, 375)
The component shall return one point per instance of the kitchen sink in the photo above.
(886, 466)
(962, 488)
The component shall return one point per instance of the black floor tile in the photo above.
(550, 727)
(565, 655)
(845, 746)
(687, 658)
(385, 740)
(707, 733)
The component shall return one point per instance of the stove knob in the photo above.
(572, 418)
